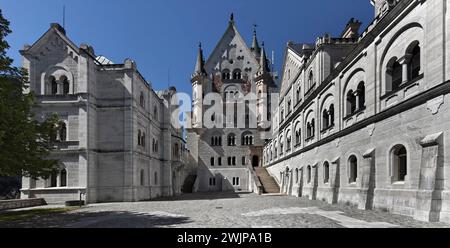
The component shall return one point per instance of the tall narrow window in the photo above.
(212, 161)
(66, 85)
(361, 92)
(399, 163)
(308, 174)
(54, 86)
(296, 175)
(325, 119)
(397, 76)
(156, 178)
(353, 167)
(53, 179)
(219, 161)
(310, 80)
(62, 131)
(63, 178)
(326, 172)
(331, 115)
(351, 103)
(139, 137)
(142, 178)
(414, 65)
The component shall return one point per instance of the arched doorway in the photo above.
(255, 161)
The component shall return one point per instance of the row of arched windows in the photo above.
(398, 167)
(53, 179)
(356, 100)
(410, 66)
(237, 74)
(54, 88)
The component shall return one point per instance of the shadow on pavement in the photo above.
(204, 196)
(107, 219)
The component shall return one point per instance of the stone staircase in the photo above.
(268, 182)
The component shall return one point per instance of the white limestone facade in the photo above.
(226, 151)
(117, 139)
(364, 119)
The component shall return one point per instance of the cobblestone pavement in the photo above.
(223, 211)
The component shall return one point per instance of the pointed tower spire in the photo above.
(255, 46)
(232, 19)
(200, 65)
(263, 61)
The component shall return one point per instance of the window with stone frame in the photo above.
(353, 169)
(326, 172)
(414, 66)
(399, 163)
(63, 178)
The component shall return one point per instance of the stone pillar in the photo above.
(367, 180)
(429, 199)
(335, 179)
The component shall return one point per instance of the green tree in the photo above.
(24, 142)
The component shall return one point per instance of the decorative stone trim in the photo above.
(435, 104)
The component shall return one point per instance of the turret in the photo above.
(255, 46)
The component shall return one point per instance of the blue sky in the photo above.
(163, 35)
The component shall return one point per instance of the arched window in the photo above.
(213, 117)
(53, 85)
(237, 74)
(414, 64)
(231, 140)
(142, 100)
(226, 74)
(297, 94)
(351, 103)
(142, 178)
(326, 172)
(308, 174)
(331, 113)
(361, 92)
(399, 163)
(325, 119)
(63, 178)
(62, 131)
(394, 75)
(308, 130)
(53, 179)
(247, 139)
(353, 167)
(66, 85)
(298, 136)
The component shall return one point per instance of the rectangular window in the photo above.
(212, 161)
(219, 162)
(243, 161)
(236, 181)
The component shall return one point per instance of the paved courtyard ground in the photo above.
(220, 211)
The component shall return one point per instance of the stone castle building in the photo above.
(117, 139)
(231, 77)
(363, 119)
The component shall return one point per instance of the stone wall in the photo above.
(25, 203)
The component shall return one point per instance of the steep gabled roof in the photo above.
(231, 29)
(55, 29)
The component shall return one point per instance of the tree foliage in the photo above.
(25, 143)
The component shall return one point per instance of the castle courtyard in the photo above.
(224, 210)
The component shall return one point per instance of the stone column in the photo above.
(429, 199)
(335, 179)
(367, 180)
